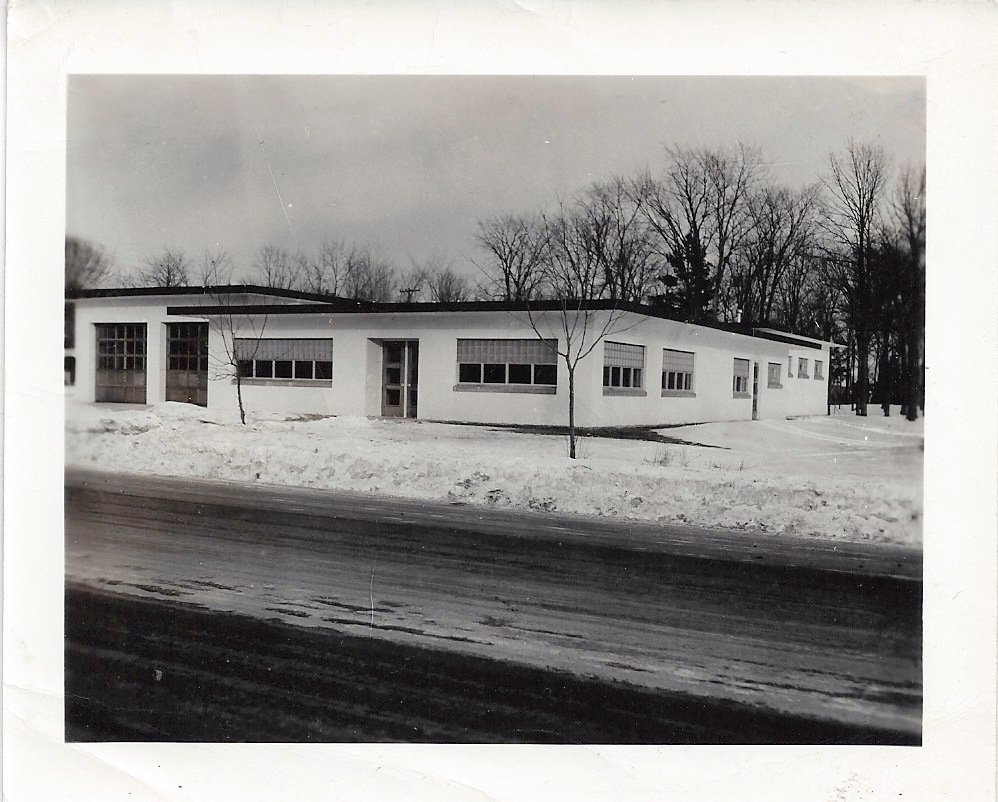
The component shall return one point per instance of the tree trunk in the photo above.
(239, 397)
(862, 371)
(571, 410)
(885, 375)
(914, 335)
(850, 384)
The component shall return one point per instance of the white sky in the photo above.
(410, 163)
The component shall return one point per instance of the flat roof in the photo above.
(787, 336)
(324, 304)
(220, 290)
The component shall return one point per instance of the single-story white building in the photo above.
(482, 362)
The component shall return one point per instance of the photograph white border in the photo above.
(954, 45)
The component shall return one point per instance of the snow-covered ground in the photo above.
(838, 477)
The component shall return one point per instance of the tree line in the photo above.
(714, 238)
(711, 238)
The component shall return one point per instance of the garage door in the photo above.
(121, 363)
(187, 363)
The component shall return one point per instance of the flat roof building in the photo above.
(480, 362)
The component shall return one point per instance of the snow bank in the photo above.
(838, 477)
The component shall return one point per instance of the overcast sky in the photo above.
(411, 163)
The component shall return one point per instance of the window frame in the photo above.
(263, 371)
(771, 382)
(802, 368)
(819, 370)
(622, 379)
(746, 378)
(489, 381)
(117, 353)
(684, 382)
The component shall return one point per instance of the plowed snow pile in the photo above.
(838, 477)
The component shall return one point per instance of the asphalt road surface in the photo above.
(219, 611)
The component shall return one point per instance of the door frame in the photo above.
(197, 393)
(408, 385)
(755, 390)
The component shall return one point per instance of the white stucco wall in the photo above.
(357, 368)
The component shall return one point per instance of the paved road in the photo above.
(807, 629)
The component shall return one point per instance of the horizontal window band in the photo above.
(303, 349)
(678, 394)
(285, 382)
(529, 351)
(631, 391)
(536, 389)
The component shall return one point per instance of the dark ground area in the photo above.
(150, 670)
(648, 433)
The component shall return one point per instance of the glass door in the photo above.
(755, 391)
(399, 378)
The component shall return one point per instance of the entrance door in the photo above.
(755, 391)
(187, 363)
(399, 378)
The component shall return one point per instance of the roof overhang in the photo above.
(795, 339)
(217, 294)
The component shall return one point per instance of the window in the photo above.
(518, 374)
(774, 376)
(790, 367)
(286, 361)
(69, 370)
(187, 347)
(802, 368)
(677, 372)
(819, 369)
(121, 363)
(507, 365)
(469, 373)
(623, 365)
(69, 337)
(739, 382)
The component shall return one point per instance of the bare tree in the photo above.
(622, 240)
(278, 268)
(698, 212)
(908, 212)
(239, 336)
(779, 235)
(516, 246)
(87, 265)
(214, 268)
(323, 273)
(170, 268)
(580, 322)
(368, 276)
(437, 280)
(855, 189)
(731, 177)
